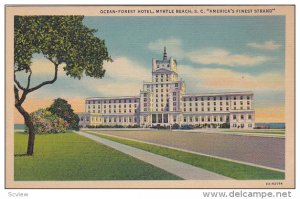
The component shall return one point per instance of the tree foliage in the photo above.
(63, 109)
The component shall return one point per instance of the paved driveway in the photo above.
(263, 151)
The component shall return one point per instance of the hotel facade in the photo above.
(164, 102)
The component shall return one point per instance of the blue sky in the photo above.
(213, 54)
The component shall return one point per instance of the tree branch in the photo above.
(18, 83)
(46, 82)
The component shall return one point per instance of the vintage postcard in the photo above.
(150, 96)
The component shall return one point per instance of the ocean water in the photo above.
(272, 125)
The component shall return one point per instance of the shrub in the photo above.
(63, 109)
(46, 122)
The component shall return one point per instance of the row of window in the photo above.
(216, 98)
(206, 119)
(112, 101)
(114, 111)
(241, 125)
(215, 103)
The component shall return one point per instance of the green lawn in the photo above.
(68, 156)
(223, 167)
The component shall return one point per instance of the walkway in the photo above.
(183, 170)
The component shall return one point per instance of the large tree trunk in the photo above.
(30, 127)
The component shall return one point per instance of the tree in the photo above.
(63, 109)
(61, 39)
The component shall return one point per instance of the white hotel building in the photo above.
(163, 101)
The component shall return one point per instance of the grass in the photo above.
(68, 156)
(223, 167)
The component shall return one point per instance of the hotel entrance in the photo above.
(160, 118)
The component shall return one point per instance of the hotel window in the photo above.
(202, 119)
(234, 97)
(174, 119)
(124, 110)
(93, 106)
(129, 110)
(221, 103)
(242, 117)
(196, 104)
(161, 80)
(130, 119)
(98, 106)
(156, 100)
(241, 102)
(221, 109)
(135, 106)
(202, 109)
(208, 103)
(196, 99)
(249, 117)
(161, 85)
(145, 99)
(191, 109)
(191, 119)
(208, 109)
(109, 111)
(125, 119)
(145, 109)
(109, 119)
(156, 95)
(215, 108)
(176, 84)
(115, 119)
(93, 111)
(119, 110)
(248, 97)
(174, 103)
(215, 118)
(119, 106)
(227, 98)
(234, 117)
(184, 109)
(248, 102)
(234, 103)
(202, 103)
(174, 93)
(98, 111)
(184, 119)
(156, 80)
(120, 119)
(174, 98)
(250, 125)
(162, 90)
(196, 118)
(221, 119)
(215, 98)
(104, 111)
(124, 105)
(184, 104)
(201, 98)
(241, 97)
(227, 103)
(221, 98)
(208, 119)
(248, 107)
(208, 98)
(196, 109)
(114, 110)
(190, 104)
(215, 103)
(241, 108)
(174, 108)
(234, 108)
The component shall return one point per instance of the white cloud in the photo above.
(173, 45)
(207, 56)
(267, 45)
(224, 57)
(223, 79)
(123, 68)
(123, 77)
